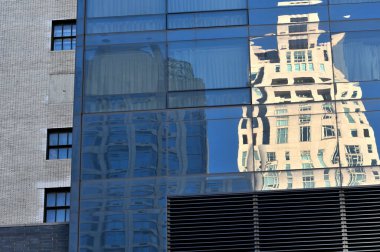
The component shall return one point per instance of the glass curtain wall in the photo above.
(196, 97)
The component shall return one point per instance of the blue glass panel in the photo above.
(209, 98)
(113, 239)
(256, 4)
(61, 215)
(69, 152)
(208, 64)
(50, 199)
(125, 38)
(50, 216)
(61, 199)
(126, 24)
(205, 5)
(62, 153)
(176, 21)
(53, 139)
(74, 30)
(116, 72)
(109, 8)
(67, 218)
(63, 138)
(308, 13)
(355, 11)
(356, 56)
(66, 44)
(58, 31)
(67, 199)
(69, 138)
(355, 25)
(67, 30)
(57, 45)
(53, 153)
(209, 33)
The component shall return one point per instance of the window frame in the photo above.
(72, 36)
(58, 146)
(65, 207)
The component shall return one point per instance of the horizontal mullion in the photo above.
(217, 232)
(225, 238)
(208, 205)
(202, 227)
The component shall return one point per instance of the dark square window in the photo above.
(298, 44)
(64, 35)
(366, 132)
(59, 143)
(57, 205)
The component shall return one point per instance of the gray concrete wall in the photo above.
(36, 93)
(39, 238)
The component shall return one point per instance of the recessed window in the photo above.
(328, 131)
(366, 132)
(282, 135)
(59, 143)
(57, 205)
(354, 133)
(271, 156)
(64, 35)
(305, 134)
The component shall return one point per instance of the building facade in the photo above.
(184, 101)
(242, 125)
(36, 89)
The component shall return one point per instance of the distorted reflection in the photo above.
(299, 136)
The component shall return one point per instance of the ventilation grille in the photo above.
(300, 221)
(211, 223)
(280, 221)
(363, 219)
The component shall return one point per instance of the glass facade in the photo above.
(198, 97)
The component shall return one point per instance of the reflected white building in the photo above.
(300, 136)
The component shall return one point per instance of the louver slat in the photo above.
(363, 218)
(211, 223)
(299, 221)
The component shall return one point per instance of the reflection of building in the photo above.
(303, 136)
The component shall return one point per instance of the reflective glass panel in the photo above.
(204, 5)
(109, 8)
(208, 64)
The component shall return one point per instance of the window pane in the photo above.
(58, 31)
(53, 153)
(66, 44)
(67, 30)
(74, 30)
(109, 8)
(69, 138)
(68, 199)
(205, 5)
(50, 216)
(62, 153)
(57, 44)
(73, 43)
(67, 219)
(69, 153)
(50, 199)
(61, 198)
(63, 139)
(208, 64)
(61, 215)
(53, 139)
(176, 21)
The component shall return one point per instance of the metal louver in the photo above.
(211, 223)
(317, 220)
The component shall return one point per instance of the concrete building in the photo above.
(36, 89)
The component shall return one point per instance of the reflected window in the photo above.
(305, 107)
(59, 143)
(289, 67)
(366, 132)
(305, 156)
(57, 205)
(282, 135)
(271, 180)
(244, 124)
(279, 81)
(335, 157)
(271, 156)
(376, 175)
(328, 131)
(299, 56)
(308, 179)
(287, 156)
(311, 67)
(281, 111)
(244, 158)
(297, 67)
(304, 119)
(354, 133)
(288, 57)
(64, 35)
(369, 147)
(322, 67)
(305, 134)
(282, 121)
(328, 108)
(277, 68)
(325, 55)
(297, 28)
(353, 155)
(298, 44)
(245, 139)
(299, 19)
